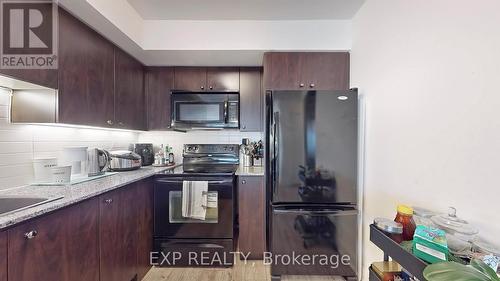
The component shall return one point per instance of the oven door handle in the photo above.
(180, 181)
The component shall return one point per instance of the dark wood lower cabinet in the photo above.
(118, 234)
(61, 246)
(144, 203)
(251, 211)
(3, 256)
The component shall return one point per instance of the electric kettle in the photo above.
(97, 160)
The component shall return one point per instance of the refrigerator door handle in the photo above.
(276, 143)
(318, 212)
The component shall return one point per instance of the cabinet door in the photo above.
(250, 100)
(159, 83)
(223, 79)
(251, 200)
(86, 78)
(3, 256)
(59, 246)
(190, 78)
(285, 72)
(118, 234)
(326, 71)
(129, 92)
(144, 201)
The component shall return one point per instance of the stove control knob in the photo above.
(189, 148)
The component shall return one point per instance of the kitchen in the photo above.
(415, 134)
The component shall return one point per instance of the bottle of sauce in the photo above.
(405, 217)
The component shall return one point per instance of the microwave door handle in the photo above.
(225, 112)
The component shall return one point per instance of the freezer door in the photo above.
(313, 139)
(314, 242)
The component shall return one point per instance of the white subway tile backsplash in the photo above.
(8, 159)
(4, 111)
(17, 171)
(178, 139)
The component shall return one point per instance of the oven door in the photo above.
(168, 219)
(202, 110)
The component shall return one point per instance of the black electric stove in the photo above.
(216, 165)
(201, 170)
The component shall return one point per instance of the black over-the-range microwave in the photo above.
(205, 110)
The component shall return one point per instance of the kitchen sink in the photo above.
(11, 204)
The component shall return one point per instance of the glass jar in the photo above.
(405, 217)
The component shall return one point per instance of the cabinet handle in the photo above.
(301, 85)
(120, 123)
(211, 87)
(244, 182)
(110, 122)
(243, 127)
(108, 201)
(312, 85)
(202, 87)
(30, 235)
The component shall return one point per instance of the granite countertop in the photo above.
(70, 194)
(256, 171)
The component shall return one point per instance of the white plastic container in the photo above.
(61, 174)
(77, 158)
(42, 169)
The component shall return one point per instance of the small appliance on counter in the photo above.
(97, 161)
(124, 160)
(145, 150)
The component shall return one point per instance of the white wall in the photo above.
(20, 144)
(429, 71)
(215, 42)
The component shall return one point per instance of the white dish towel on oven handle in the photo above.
(194, 199)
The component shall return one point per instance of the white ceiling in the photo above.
(246, 9)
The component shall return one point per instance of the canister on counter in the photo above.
(391, 228)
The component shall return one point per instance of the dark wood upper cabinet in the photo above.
(306, 70)
(60, 246)
(3, 256)
(251, 99)
(285, 71)
(251, 210)
(223, 79)
(129, 92)
(144, 201)
(207, 79)
(326, 71)
(159, 83)
(86, 74)
(190, 78)
(118, 234)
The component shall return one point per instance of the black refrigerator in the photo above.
(312, 172)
